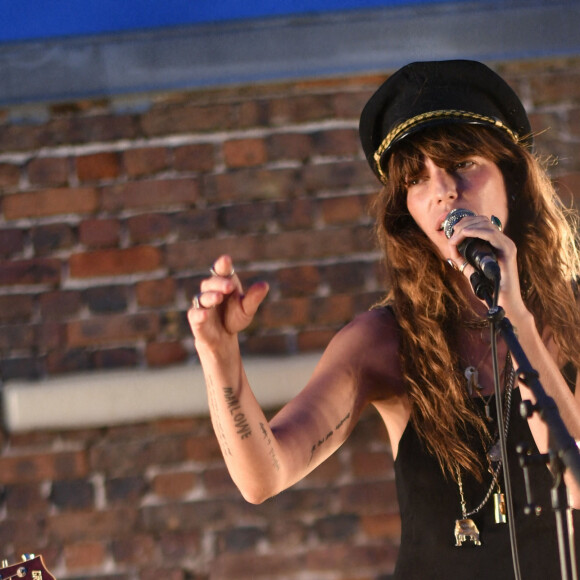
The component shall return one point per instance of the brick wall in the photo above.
(111, 212)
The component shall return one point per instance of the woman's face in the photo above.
(475, 183)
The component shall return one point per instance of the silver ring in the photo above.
(214, 273)
(197, 304)
(462, 267)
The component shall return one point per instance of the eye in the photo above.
(464, 164)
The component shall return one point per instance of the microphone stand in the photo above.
(563, 450)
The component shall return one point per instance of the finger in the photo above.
(254, 297)
(223, 267)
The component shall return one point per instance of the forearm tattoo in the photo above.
(218, 427)
(326, 437)
(240, 421)
(271, 451)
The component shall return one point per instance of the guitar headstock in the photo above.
(31, 568)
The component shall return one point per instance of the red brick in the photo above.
(382, 526)
(252, 113)
(201, 223)
(18, 336)
(150, 194)
(114, 358)
(218, 481)
(113, 328)
(298, 281)
(35, 271)
(568, 187)
(42, 466)
(84, 555)
(9, 175)
(99, 233)
(11, 242)
(252, 184)
(49, 238)
(201, 254)
(301, 109)
(115, 262)
(145, 161)
(68, 527)
(139, 549)
(291, 146)
(245, 153)
(314, 340)
(555, 87)
(160, 354)
(182, 118)
(288, 312)
(25, 498)
(91, 129)
(48, 171)
(98, 166)
(60, 304)
(16, 308)
(131, 456)
(338, 175)
(203, 448)
(267, 344)
(336, 142)
(156, 293)
(247, 217)
(296, 214)
(21, 137)
(198, 157)
(372, 465)
(174, 485)
(148, 227)
(50, 202)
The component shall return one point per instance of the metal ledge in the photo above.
(285, 48)
(91, 400)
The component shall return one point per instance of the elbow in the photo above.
(255, 493)
(255, 496)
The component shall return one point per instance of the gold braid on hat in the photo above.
(405, 126)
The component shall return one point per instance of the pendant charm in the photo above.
(466, 529)
(499, 510)
(494, 452)
(488, 416)
(472, 376)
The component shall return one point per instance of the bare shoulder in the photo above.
(369, 348)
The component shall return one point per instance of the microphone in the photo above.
(478, 253)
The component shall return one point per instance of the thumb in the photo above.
(254, 297)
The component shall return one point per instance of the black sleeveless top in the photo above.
(430, 504)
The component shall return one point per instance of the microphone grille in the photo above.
(452, 218)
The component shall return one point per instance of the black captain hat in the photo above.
(423, 94)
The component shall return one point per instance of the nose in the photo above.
(443, 183)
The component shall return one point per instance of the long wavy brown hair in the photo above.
(428, 297)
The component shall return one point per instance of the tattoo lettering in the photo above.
(218, 427)
(240, 421)
(321, 442)
(271, 451)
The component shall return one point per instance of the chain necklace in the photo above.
(465, 527)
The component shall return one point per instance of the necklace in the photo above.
(465, 527)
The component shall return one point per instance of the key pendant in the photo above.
(499, 509)
(466, 529)
(472, 377)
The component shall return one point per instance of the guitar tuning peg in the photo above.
(4, 564)
(27, 557)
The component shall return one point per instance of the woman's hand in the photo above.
(481, 227)
(221, 309)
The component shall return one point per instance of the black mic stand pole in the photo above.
(563, 453)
